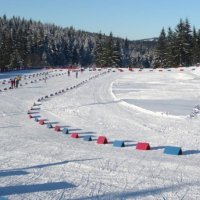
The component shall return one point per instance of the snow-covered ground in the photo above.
(139, 106)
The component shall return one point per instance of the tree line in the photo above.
(29, 43)
(179, 47)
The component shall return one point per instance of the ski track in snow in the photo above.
(58, 167)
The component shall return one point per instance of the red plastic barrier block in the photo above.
(41, 121)
(30, 116)
(102, 140)
(74, 135)
(57, 128)
(143, 146)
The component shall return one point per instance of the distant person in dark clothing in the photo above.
(17, 81)
(12, 81)
(68, 72)
(76, 74)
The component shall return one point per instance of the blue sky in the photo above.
(134, 19)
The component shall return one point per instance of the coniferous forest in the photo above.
(27, 44)
(179, 47)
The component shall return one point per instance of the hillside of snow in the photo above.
(160, 107)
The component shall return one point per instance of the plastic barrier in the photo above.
(36, 119)
(41, 121)
(74, 135)
(118, 143)
(102, 140)
(49, 126)
(142, 146)
(87, 138)
(65, 130)
(57, 128)
(172, 150)
(30, 116)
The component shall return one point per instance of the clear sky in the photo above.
(134, 19)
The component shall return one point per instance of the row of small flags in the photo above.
(173, 150)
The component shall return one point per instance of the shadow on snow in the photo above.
(21, 189)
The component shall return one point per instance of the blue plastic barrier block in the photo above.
(36, 119)
(87, 138)
(172, 150)
(49, 126)
(65, 131)
(118, 143)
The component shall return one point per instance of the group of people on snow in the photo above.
(15, 82)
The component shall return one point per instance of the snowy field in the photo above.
(134, 106)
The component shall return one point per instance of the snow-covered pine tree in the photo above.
(161, 50)
(195, 47)
(99, 51)
(198, 44)
(109, 50)
(116, 57)
(183, 44)
(126, 58)
(171, 45)
(15, 59)
(75, 56)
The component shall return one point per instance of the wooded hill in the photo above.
(28, 43)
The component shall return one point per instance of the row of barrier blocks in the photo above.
(64, 130)
(172, 150)
(62, 91)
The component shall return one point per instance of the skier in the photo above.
(76, 74)
(68, 72)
